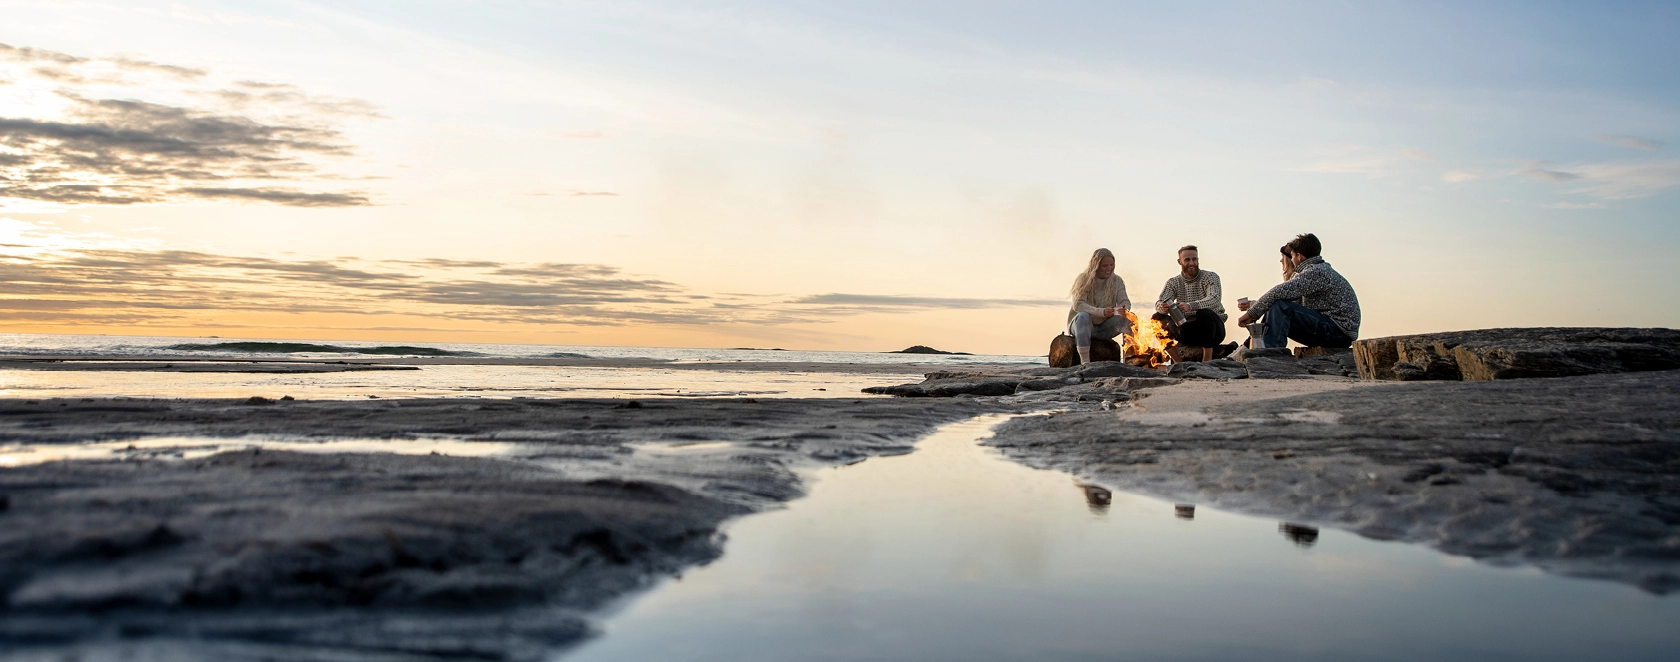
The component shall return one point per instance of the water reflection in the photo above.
(953, 553)
(1300, 534)
(1097, 498)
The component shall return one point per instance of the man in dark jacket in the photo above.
(1316, 308)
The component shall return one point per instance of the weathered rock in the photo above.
(1129, 384)
(1514, 353)
(1339, 364)
(1579, 475)
(1245, 353)
(1113, 369)
(1266, 367)
(1045, 384)
(1063, 353)
(1218, 369)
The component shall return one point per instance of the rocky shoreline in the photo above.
(254, 554)
(1575, 475)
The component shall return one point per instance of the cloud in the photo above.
(1630, 142)
(885, 301)
(1542, 170)
(1575, 205)
(1460, 176)
(1613, 180)
(1419, 155)
(1625, 180)
(90, 150)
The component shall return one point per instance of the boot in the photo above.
(1084, 354)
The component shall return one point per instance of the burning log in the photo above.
(1147, 344)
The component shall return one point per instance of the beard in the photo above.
(1189, 272)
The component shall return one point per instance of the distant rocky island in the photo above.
(924, 349)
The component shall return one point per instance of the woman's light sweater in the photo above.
(1103, 293)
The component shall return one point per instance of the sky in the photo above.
(851, 176)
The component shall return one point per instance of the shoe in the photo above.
(1224, 350)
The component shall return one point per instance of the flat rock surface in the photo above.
(1486, 354)
(1577, 475)
(265, 554)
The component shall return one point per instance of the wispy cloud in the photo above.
(1575, 205)
(83, 149)
(1630, 142)
(1460, 176)
(1545, 170)
(1614, 180)
(887, 301)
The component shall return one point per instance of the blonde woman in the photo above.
(1099, 304)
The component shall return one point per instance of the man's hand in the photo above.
(1161, 307)
(1245, 320)
(1184, 308)
(1244, 305)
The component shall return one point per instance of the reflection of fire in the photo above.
(1147, 345)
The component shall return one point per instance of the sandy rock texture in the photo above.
(261, 554)
(1576, 475)
(1487, 354)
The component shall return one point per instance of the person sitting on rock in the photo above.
(1099, 304)
(1316, 307)
(1196, 294)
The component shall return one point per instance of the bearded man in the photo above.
(1195, 293)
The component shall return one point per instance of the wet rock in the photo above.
(1266, 367)
(1488, 354)
(258, 400)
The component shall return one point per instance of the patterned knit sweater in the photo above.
(1202, 293)
(1320, 288)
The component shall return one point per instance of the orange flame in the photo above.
(1146, 346)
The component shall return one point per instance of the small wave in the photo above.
(298, 347)
(566, 355)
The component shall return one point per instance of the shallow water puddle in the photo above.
(954, 553)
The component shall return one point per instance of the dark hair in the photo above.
(1191, 247)
(1305, 245)
(1284, 249)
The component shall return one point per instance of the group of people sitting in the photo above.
(1314, 305)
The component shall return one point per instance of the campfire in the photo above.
(1147, 344)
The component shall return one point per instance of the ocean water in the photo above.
(650, 372)
(153, 346)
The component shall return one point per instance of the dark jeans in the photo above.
(1287, 320)
(1203, 330)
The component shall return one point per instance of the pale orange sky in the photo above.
(860, 178)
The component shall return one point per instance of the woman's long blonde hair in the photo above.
(1087, 287)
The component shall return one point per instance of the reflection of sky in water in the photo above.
(952, 553)
(445, 381)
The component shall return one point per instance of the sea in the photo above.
(583, 371)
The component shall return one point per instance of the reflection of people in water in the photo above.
(1300, 534)
(1096, 498)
